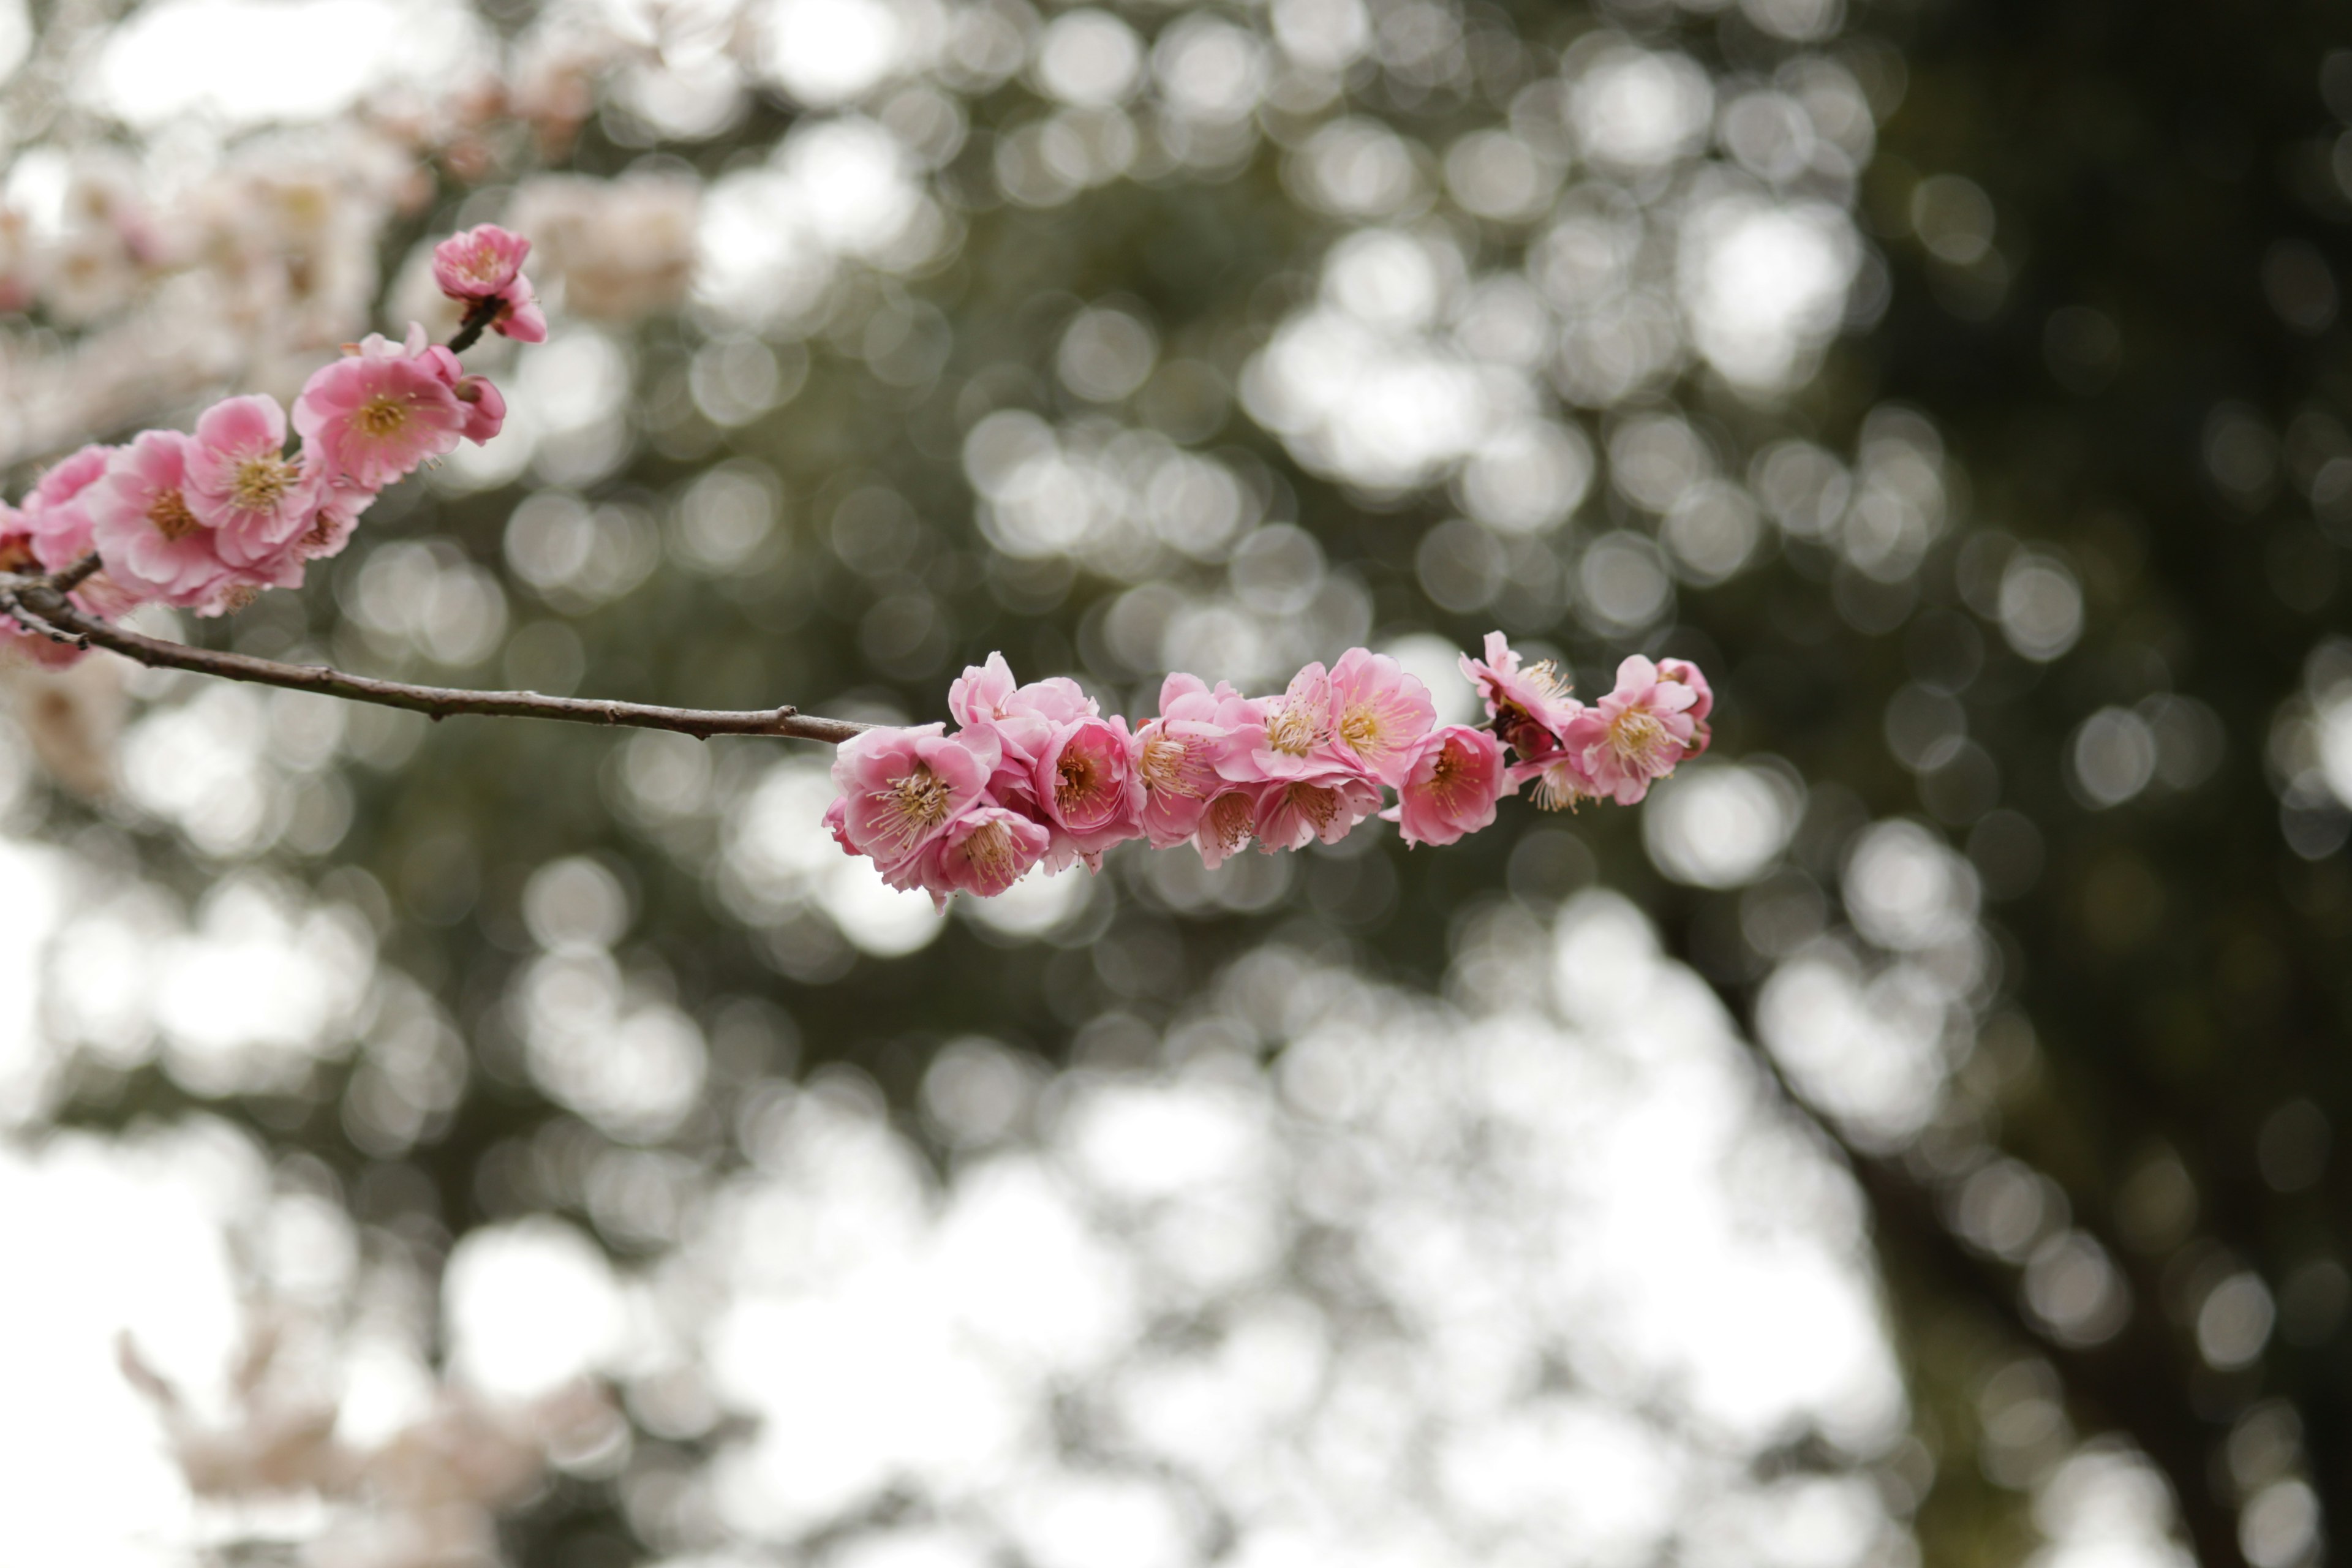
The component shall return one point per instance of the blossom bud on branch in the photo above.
(1036, 775)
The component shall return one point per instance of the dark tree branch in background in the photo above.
(41, 603)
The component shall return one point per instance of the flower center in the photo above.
(1548, 677)
(1317, 805)
(1076, 777)
(1557, 788)
(1636, 737)
(262, 482)
(1230, 821)
(916, 803)
(1164, 766)
(992, 853)
(381, 415)
(1297, 730)
(170, 514)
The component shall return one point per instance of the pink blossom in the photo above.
(1531, 708)
(482, 263)
(900, 788)
(1455, 778)
(1380, 713)
(1684, 671)
(1175, 758)
(1025, 717)
(519, 317)
(1562, 778)
(244, 486)
(1088, 788)
(54, 514)
(1636, 733)
(373, 415)
(1227, 823)
(16, 555)
(340, 506)
(153, 542)
(1294, 813)
(982, 852)
(486, 408)
(1286, 737)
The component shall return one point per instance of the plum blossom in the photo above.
(485, 265)
(901, 788)
(1531, 708)
(242, 485)
(1175, 757)
(1051, 780)
(1088, 788)
(1227, 825)
(1638, 733)
(1687, 673)
(982, 852)
(152, 540)
(1295, 813)
(519, 316)
(1379, 714)
(1288, 738)
(482, 263)
(55, 515)
(1453, 782)
(377, 413)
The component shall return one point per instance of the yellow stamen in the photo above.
(381, 415)
(262, 482)
(170, 514)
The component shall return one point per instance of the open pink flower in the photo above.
(1286, 737)
(1636, 733)
(1294, 813)
(900, 788)
(244, 486)
(155, 543)
(55, 516)
(1531, 708)
(1563, 779)
(1175, 758)
(982, 852)
(482, 263)
(1087, 789)
(1687, 673)
(1380, 713)
(373, 415)
(1227, 823)
(340, 506)
(1456, 776)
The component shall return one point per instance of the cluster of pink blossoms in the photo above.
(205, 522)
(1035, 774)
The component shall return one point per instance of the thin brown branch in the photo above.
(41, 600)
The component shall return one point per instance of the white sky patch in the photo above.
(124, 1238)
(250, 61)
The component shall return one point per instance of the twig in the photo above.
(42, 600)
(478, 315)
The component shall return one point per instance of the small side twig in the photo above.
(479, 316)
(40, 602)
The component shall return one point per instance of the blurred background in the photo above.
(1907, 1138)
